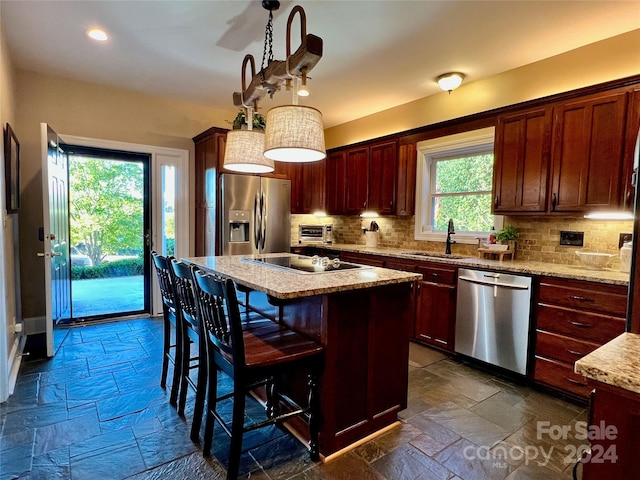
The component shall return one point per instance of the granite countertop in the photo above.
(609, 276)
(615, 363)
(283, 284)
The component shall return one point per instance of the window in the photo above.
(454, 176)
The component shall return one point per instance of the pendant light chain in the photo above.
(268, 40)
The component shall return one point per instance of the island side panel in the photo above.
(364, 382)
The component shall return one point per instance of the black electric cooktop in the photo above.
(304, 264)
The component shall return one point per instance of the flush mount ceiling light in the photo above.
(450, 81)
(294, 133)
(244, 149)
(97, 34)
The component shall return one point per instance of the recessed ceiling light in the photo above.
(98, 34)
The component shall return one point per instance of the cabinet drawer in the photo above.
(562, 348)
(607, 299)
(560, 375)
(590, 327)
(437, 274)
(397, 264)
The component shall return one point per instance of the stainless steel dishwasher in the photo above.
(492, 318)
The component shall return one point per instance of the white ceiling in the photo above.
(377, 54)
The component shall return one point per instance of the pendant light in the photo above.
(293, 133)
(244, 150)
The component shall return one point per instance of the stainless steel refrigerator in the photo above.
(256, 214)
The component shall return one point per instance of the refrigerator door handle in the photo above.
(257, 221)
(263, 221)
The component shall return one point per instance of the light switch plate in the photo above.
(573, 239)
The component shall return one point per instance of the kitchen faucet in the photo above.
(450, 231)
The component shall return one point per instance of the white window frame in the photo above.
(429, 151)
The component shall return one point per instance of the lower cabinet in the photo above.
(573, 318)
(436, 305)
(614, 419)
(435, 296)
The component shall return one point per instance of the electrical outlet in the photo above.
(624, 237)
(574, 239)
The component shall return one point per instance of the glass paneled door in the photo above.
(110, 232)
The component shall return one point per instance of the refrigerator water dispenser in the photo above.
(239, 225)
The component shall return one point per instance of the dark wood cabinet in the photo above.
(587, 153)
(614, 447)
(436, 305)
(382, 178)
(573, 318)
(631, 134)
(357, 173)
(209, 158)
(313, 187)
(406, 180)
(435, 296)
(522, 151)
(335, 183)
(307, 184)
(371, 178)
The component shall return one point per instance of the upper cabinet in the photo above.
(587, 153)
(569, 157)
(307, 185)
(522, 150)
(406, 180)
(335, 182)
(371, 178)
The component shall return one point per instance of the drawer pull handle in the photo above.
(581, 299)
(573, 352)
(435, 275)
(580, 324)
(575, 382)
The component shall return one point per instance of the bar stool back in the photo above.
(171, 352)
(192, 336)
(251, 358)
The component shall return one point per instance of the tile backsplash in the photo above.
(539, 236)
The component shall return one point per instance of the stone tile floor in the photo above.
(96, 411)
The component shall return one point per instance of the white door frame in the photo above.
(159, 156)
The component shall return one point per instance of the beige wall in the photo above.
(95, 111)
(10, 309)
(614, 58)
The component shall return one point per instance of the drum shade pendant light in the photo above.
(293, 133)
(244, 151)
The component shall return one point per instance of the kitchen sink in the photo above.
(432, 254)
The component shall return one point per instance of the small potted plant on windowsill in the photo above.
(508, 235)
(240, 123)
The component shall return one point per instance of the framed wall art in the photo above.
(12, 169)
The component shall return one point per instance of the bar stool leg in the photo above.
(177, 368)
(237, 428)
(201, 391)
(314, 416)
(210, 420)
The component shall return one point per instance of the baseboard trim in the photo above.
(33, 325)
(15, 360)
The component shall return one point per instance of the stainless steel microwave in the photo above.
(315, 233)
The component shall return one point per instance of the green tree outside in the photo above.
(106, 206)
(463, 193)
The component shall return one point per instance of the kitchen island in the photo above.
(363, 318)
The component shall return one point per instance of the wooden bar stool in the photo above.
(192, 335)
(252, 357)
(171, 352)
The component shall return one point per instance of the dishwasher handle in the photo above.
(493, 284)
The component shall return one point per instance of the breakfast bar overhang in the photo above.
(362, 317)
